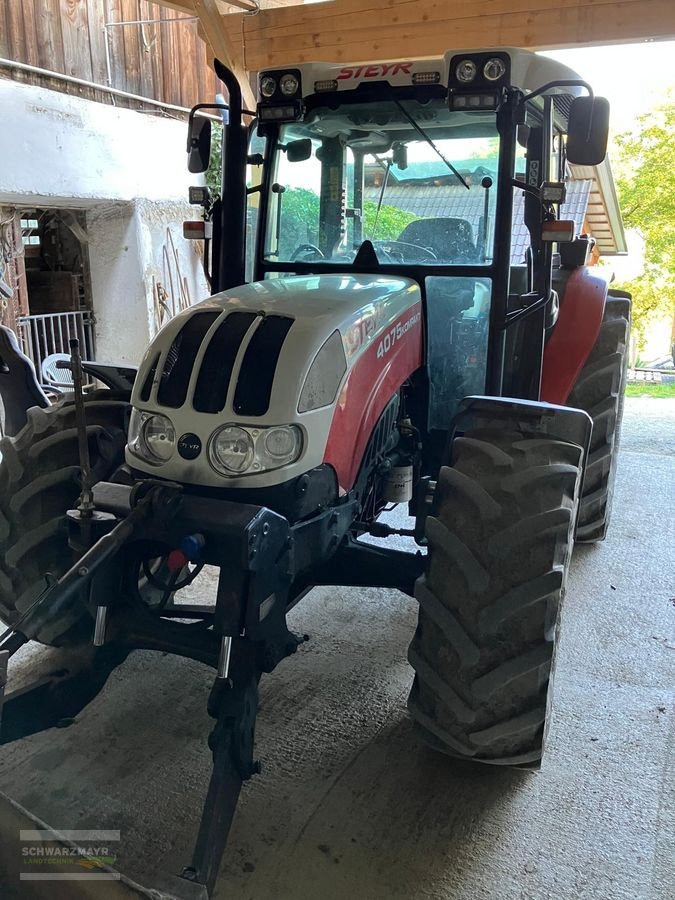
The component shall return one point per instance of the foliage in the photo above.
(390, 222)
(646, 188)
(648, 389)
(212, 174)
(300, 220)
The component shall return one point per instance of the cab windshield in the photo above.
(415, 179)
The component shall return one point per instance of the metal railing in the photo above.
(42, 335)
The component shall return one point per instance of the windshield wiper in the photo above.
(386, 165)
(425, 136)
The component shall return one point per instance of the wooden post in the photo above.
(215, 34)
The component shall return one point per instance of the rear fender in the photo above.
(574, 335)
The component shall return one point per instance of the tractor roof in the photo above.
(529, 71)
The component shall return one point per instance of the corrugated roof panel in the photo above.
(454, 201)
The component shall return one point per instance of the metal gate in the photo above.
(44, 335)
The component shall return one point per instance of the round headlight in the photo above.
(231, 450)
(465, 71)
(158, 437)
(494, 69)
(281, 443)
(289, 85)
(268, 86)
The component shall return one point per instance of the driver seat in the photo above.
(19, 387)
(450, 239)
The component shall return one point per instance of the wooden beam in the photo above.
(248, 5)
(186, 6)
(217, 36)
(362, 30)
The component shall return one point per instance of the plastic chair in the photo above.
(54, 376)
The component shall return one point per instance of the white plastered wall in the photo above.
(127, 170)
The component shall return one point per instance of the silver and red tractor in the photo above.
(371, 340)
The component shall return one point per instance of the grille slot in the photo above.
(180, 359)
(256, 376)
(146, 389)
(218, 362)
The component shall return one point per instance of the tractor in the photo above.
(370, 340)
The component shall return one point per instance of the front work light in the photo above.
(465, 71)
(268, 86)
(289, 85)
(494, 69)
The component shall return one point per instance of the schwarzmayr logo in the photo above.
(49, 855)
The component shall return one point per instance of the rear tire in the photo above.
(599, 391)
(39, 482)
(499, 548)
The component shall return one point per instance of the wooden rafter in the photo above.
(361, 30)
(215, 32)
(285, 33)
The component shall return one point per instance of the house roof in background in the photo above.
(453, 200)
(603, 214)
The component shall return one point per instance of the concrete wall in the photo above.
(128, 247)
(128, 171)
(56, 146)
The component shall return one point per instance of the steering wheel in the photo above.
(302, 249)
(401, 251)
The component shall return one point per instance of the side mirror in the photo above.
(587, 131)
(199, 144)
(299, 151)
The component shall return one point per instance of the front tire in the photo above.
(599, 391)
(39, 482)
(499, 548)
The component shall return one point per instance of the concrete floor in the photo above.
(350, 805)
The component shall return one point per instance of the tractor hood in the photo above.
(270, 353)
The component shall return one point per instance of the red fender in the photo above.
(574, 335)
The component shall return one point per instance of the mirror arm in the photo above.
(564, 82)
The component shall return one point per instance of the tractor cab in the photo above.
(409, 169)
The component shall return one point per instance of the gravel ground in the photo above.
(649, 425)
(349, 804)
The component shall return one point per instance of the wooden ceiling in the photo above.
(250, 35)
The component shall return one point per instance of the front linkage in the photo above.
(265, 565)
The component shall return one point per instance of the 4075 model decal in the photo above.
(395, 334)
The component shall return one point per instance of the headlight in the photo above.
(231, 450)
(289, 85)
(494, 69)
(268, 86)
(465, 71)
(152, 437)
(239, 450)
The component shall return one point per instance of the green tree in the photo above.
(390, 222)
(300, 220)
(646, 188)
(213, 173)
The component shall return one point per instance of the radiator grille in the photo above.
(256, 377)
(218, 363)
(146, 389)
(180, 359)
